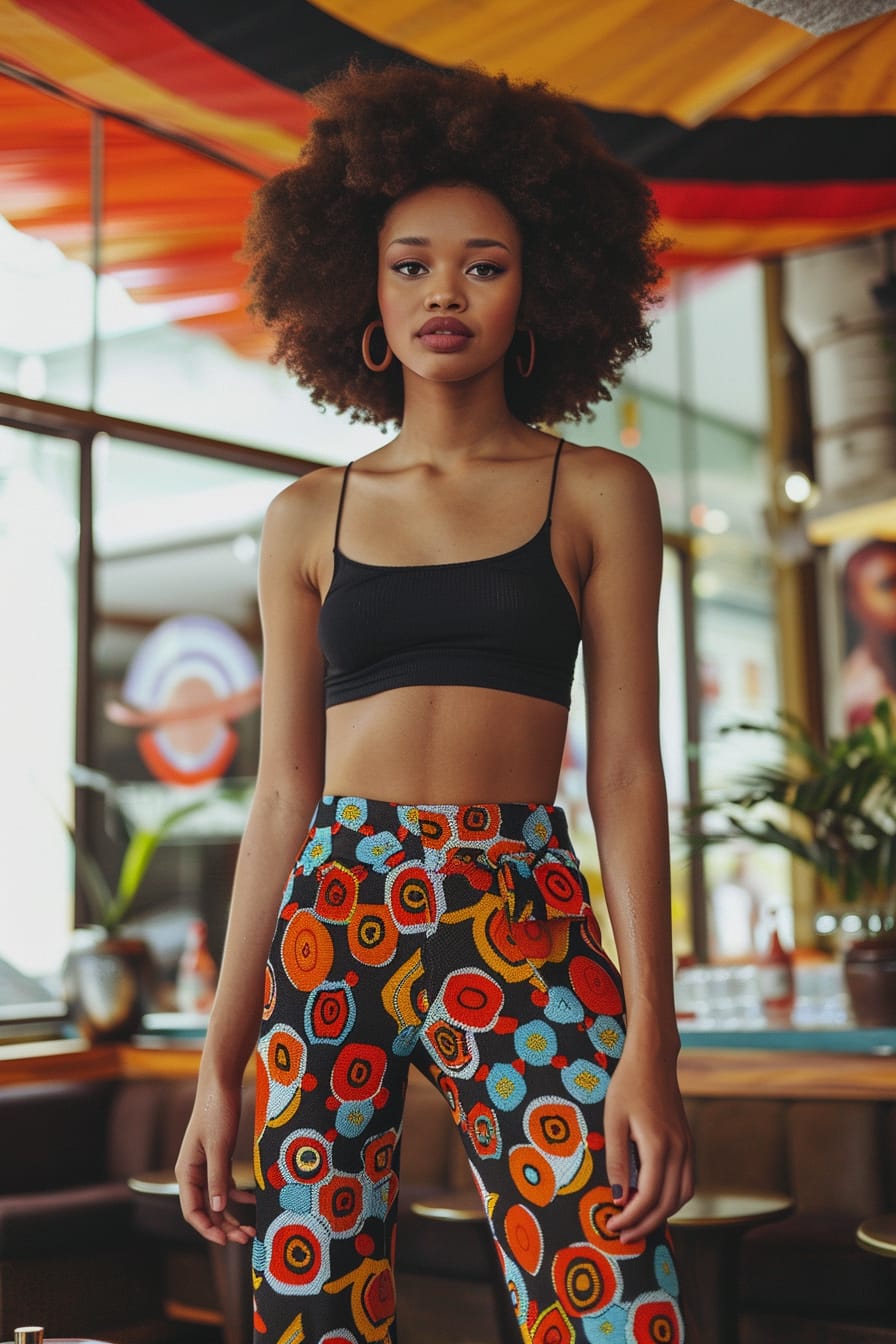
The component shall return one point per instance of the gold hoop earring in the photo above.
(527, 371)
(365, 349)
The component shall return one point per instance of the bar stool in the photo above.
(159, 1215)
(878, 1234)
(462, 1216)
(706, 1235)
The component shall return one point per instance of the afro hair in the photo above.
(587, 223)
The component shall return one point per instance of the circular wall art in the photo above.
(188, 682)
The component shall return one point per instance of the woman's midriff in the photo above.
(444, 742)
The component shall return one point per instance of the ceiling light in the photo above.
(795, 487)
(798, 487)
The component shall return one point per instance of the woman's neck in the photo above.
(457, 420)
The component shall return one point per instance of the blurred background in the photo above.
(143, 432)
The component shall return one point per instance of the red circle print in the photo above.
(473, 1000)
(655, 1320)
(593, 987)
(337, 894)
(358, 1072)
(561, 888)
(296, 1256)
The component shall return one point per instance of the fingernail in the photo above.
(617, 1191)
(217, 1203)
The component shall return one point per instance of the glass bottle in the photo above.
(197, 974)
(776, 979)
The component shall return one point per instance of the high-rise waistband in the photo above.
(522, 852)
(538, 825)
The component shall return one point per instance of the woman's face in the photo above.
(871, 586)
(449, 281)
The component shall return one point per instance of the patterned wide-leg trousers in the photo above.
(457, 938)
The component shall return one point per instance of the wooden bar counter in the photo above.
(842, 1063)
(827, 1064)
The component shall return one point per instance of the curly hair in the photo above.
(587, 223)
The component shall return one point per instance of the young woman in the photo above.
(457, 255)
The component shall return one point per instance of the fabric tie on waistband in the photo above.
(540, 884)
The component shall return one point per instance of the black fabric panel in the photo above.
(289, 42)
(772, 149)
(296, 45)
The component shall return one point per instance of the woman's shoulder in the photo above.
(300, 520)
(609, 481)
(305, 502)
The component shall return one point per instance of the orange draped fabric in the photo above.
(757, 138)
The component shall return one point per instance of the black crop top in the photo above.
(507, 622)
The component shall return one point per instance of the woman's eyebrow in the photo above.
(486, 242)
(471, 242)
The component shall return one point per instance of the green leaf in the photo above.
(90, 874)
(138, 856)
(94, 884)
(841, 793)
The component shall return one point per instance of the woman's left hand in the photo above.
(643, 1105)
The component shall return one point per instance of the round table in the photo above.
(451, 1207)
(164, 1183)
(231, 1264)
(878, 1234)
(706, 1235)
(62, 1339)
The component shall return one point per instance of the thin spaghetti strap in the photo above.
(339, 510)
(554, 478)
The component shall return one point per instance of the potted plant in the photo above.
(833, 806)
(108, 974)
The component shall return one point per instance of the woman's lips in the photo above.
(445, 342)
(446, 335)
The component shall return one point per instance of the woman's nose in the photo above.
(444, 297)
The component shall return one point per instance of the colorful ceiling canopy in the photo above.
(757, 137)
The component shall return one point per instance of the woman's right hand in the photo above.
(203, 1168)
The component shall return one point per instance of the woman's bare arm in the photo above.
(627, 797)
(289, 783)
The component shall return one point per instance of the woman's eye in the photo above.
(416, 268)
(484, 270)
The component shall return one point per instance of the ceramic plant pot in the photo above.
(108, 984)
(870, 968)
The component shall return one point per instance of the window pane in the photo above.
(177, 637)
(38, 596)
(178, 349)
(737, 661)
(694, 411)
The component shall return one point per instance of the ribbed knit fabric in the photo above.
(507, 622)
